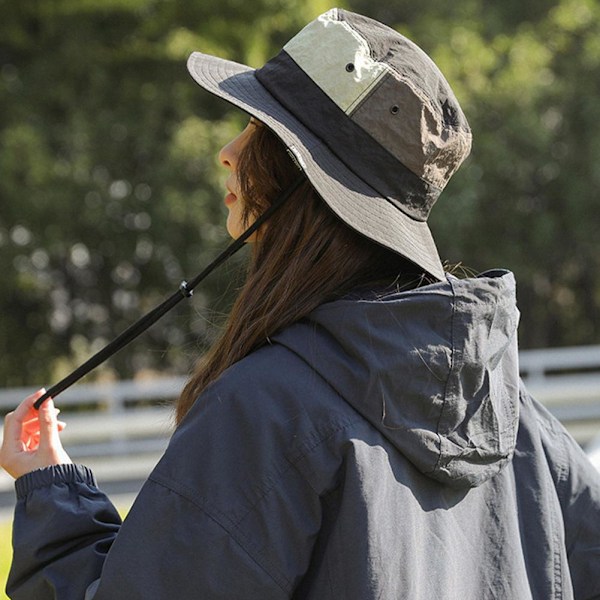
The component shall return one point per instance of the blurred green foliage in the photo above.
(5, 554)
(110, 190)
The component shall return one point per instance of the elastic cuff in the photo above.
(53, 475)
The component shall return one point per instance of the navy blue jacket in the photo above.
(381, 448)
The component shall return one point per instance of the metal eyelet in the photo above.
(395, 109)
(350, 67)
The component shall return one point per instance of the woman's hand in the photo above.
(31, 439)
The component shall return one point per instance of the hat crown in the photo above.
(388, 86)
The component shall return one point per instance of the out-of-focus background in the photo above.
(111, 194)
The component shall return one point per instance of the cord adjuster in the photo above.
(186, 292)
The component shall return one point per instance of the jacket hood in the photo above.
(434, 369)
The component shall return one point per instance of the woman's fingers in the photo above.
(13, 422)
(50, 446)
(14, 453)
(30, 433)
(26, 410)
(48, 425)
(31, 438)
(33, 442)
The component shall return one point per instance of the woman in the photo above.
(359, 431)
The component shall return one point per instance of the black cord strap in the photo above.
(185, 291)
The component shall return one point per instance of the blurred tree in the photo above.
(110, 188)
(111, 192)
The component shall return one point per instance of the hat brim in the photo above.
(354, 201)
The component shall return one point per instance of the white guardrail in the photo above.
(121, 429)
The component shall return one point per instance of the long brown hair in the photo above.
(304, 256)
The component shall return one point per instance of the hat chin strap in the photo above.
(185, 290)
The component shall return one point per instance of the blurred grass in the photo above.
(5, 554)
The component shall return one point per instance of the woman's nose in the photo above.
(228, 155)
(225, 155)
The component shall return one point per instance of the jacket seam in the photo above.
(291, 460)
(328, 383)
(184, 492)
(561, 477)
(294, 461)
(453, 361)
(360, 418)
(556, 554)
(221, 518)
(560, 482)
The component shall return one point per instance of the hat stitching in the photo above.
(401, 77)
(363, 94)
(301, 50)
(320, 142)
(283, 100)
(372, 90)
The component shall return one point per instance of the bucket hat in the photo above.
(367, 115)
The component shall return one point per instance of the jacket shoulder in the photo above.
(261, 418)
(275, 386)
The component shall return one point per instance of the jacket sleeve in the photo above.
(578, 487)
(228, 512)
(62, 531)
(579, 494)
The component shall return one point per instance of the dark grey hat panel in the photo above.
(409, 61)
(431, 135)
(365, 156)
(390, 114)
